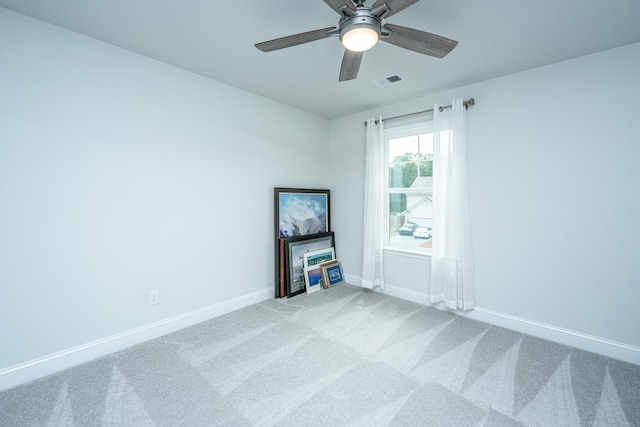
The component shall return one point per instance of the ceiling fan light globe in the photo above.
(359, 39)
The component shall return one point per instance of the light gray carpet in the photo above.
(339, 357)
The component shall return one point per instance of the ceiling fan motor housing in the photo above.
(361, 22)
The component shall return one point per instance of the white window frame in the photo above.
(419, 128)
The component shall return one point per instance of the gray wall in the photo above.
(119, 175)
(554, 173)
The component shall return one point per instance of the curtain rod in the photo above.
(466, 104)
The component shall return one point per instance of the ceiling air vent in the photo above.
(386, 81)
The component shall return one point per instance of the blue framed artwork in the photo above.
(333, 274)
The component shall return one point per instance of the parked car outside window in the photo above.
(407, 228)
(422, 233)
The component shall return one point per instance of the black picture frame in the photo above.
(295, 247)
(314, 217)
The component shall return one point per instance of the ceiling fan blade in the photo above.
(350, 65)
(293, 40)
(337, 5)
(419, 41)
(394, 6)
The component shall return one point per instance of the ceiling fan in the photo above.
(360, 28)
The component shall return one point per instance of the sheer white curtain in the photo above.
(373, 229)
(452, 254)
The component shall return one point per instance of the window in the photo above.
(409, 187)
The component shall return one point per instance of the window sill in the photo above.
(406, 252)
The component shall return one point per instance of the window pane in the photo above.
(426, 155)
(397, 203)
(403, 161)
(400, 146)
(410, 190)
(410, 220)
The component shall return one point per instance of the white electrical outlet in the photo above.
(153, 297)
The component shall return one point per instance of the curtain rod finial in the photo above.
(471, 101)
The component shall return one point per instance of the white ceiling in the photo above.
(215, 39)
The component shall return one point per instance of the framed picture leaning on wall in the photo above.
(323, 272)
(333, 274)
(301, 212)
(295, 248)
(311, 262)
(310, 259)
(298, 212)
(312, 279)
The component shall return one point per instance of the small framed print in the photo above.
(310, 259)
(325, 279)
(311, 262)
(313, 279)
(333, 273)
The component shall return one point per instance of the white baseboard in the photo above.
(52, 363)
(593, 344)
(603, 346)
